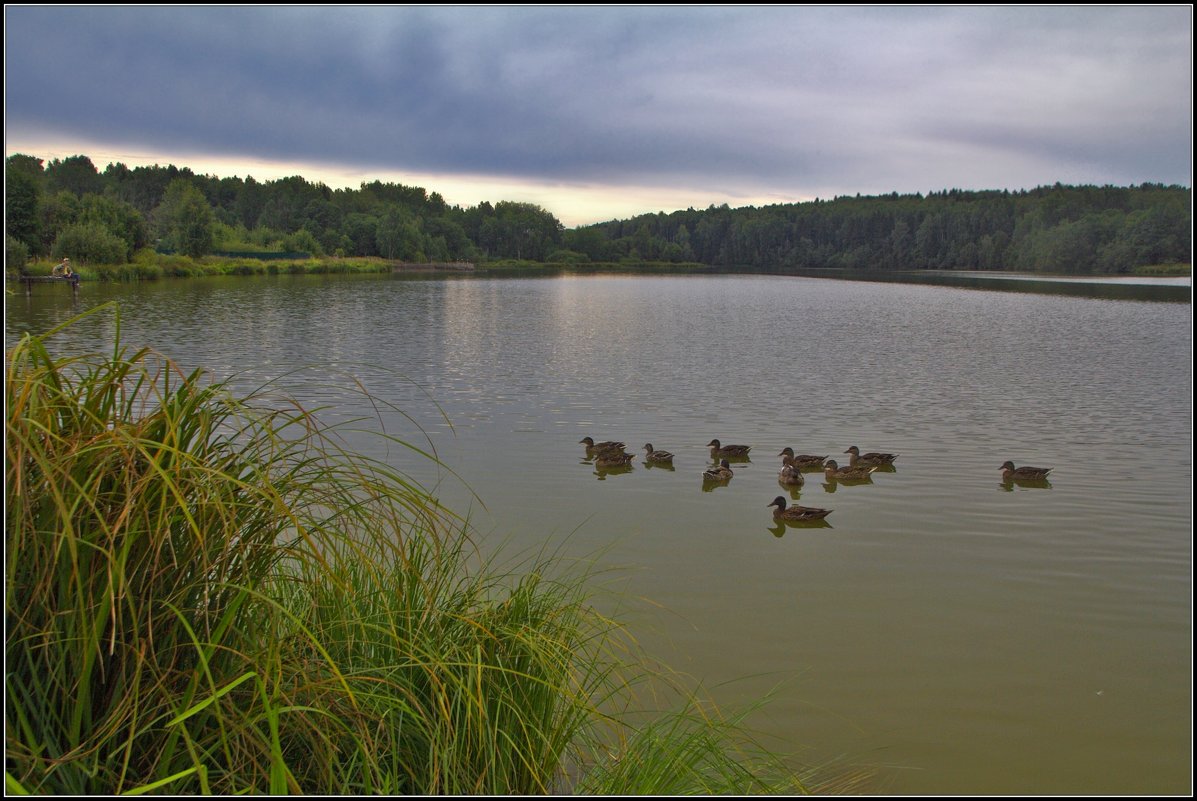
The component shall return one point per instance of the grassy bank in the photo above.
(207, 593)
(149, 266)
(1165, 270)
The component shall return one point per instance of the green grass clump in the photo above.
(207, 593)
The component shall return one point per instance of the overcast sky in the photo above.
(602, 112)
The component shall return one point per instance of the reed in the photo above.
(208, 593)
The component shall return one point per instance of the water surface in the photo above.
(961, 635)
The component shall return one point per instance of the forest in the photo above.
(67, 207)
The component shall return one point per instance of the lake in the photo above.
(957, 634)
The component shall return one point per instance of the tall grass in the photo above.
(207, 593)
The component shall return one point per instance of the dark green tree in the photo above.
(120, 218)
(74, 174)
(22, 199)
(399, 237)
(55, 213)
(184, 221)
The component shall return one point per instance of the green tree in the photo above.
(362, 232)
(184, 220)
(302, 241)
(55, 213)
(399, 237)
(89, 243)
(22, 198)
(520, 231)
(29, 165)
(120, 218)
(74, 174)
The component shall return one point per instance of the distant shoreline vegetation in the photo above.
(146, 222)
(151, 266)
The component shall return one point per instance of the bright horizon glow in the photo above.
(573, 203)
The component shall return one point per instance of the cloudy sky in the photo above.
(602, 112)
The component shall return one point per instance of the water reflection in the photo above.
(603, 472)
(832, 484)
(1008, 484)
(778, 529)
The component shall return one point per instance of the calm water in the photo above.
(961, 636)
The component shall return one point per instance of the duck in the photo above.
(796, 513)
(721, 473)
(657, 457)
(612, 459)
(802, 460)
(790, 475)
(731, 451)
(836, 473)
(1011, 473)
(593, 447)
(864, 459)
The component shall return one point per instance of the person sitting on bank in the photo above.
(62, 270)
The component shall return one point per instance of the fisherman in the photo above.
(62, 270)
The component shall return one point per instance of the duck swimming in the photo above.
(1011, 473)
(721, 473)
(593, 448)
(865, 459)
(790, 475)
(657, 457)
(804, 460)
(719, 451)
(795, 513)
(836, 473)
(611, 459)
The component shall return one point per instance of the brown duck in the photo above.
(719, 451)
(804, 460)
(790, 475)
(857, 458)
(836, 473)
(796, 513)
(1012, 473)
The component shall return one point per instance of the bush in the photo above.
(567, 257)
(16, 255)
(89, 243)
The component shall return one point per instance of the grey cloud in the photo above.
(778, 98)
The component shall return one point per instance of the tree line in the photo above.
(68, 207)
(1079, 229)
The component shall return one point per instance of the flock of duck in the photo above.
(611, 455)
